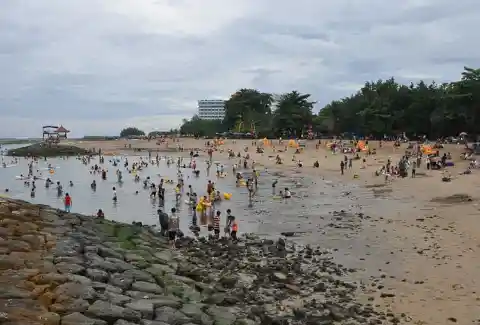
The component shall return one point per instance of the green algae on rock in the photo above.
(42, 150)
(67, 268)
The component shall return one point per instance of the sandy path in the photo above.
(434, 248)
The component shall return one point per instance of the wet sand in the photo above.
(427, 242)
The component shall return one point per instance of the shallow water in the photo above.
(309, 213)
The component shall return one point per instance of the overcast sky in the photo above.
(96, 66)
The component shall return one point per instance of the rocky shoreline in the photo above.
(41, 150)
(59, 268)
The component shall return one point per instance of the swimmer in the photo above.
(114, 198)
(217, 198)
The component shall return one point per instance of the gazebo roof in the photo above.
(62, 129)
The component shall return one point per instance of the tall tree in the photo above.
(247, 108)
(199, 127)
(293, 114)
(386, 107)
(131, 131)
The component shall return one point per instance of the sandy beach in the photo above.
(432, 239)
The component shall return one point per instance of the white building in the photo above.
(211, 109)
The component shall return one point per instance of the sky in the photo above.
(97, 66)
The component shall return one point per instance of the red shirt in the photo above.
(68, 200)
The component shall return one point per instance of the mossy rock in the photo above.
(127, 244)
(42, 150)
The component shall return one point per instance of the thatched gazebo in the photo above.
(62, 132)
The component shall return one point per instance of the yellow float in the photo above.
(227, 196)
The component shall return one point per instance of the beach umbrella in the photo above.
(462, 134)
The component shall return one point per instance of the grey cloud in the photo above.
(99, 65)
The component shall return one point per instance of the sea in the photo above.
(321, 212)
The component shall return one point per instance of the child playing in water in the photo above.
(67, 202)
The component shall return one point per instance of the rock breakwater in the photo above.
(42, 150)
(59, 268)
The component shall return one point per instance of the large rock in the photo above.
(108, 252)
(115, 298)
(50, 318)
(105, 287)
(164, 256)
(67, 247)
(70, 306)
(124, 322)
(50, 278)
(152, 322)
(160, 269)
(120, 265)
(96, 262)
(97, 275)
(74, 290)
(221, 315)
(79, 319)
(171, 316)
(69, 268)
(147, 287)
(144, 306)
(138, 275)
(121, 281)
(41, 150)
(195, 312)
(111, 313)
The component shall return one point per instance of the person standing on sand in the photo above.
(342, 166)
(67, 202)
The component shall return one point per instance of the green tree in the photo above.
(131, 131)
(247, 109)
(382, 107)
(293, 114)
(387, 107)
(199, 127)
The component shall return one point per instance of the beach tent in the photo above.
(292, 144)
(362, 146)
(266, 142)
(427, 149)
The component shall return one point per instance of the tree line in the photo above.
(135, 132)
(383, 107)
